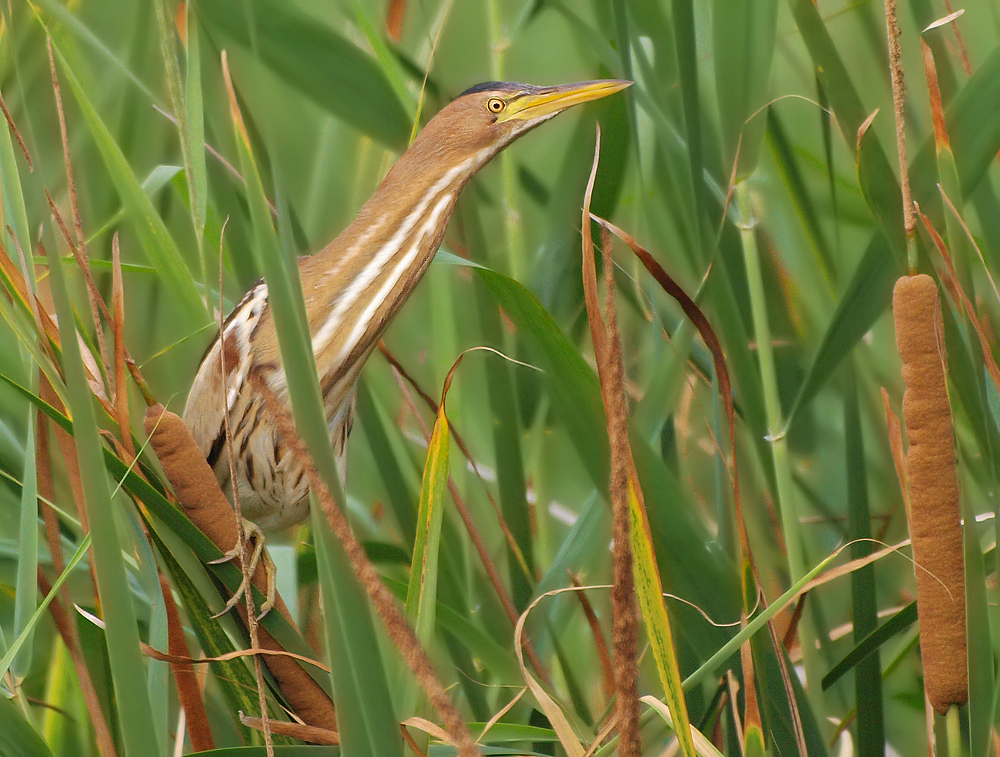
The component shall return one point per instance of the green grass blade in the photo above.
(685, 40)
(239, 689)
(193, 135)
(583, 547)
(156, 180)
(700, 745)
(868, 294)
(981, 677)
(153, 233)
(388, 459)
(68, 21)
(361, 692)
(140, 486)
(505, 426)
(973, 119)
(654, 616)
(27, 563)
(12, 210)
(421, 595)
(127, 665)
(864, 608)
(731, 647)
(974, 124)
(875, 174)
(791, 178)
(894, 625)
(694, 566)
(11, 652)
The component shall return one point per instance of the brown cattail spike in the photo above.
(204, 503)
(932, 480)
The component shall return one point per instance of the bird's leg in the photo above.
(254, 534)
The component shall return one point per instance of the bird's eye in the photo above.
(495, 105)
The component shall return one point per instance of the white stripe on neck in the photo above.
(430, 225)
(370, 272)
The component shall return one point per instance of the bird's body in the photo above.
(353, 288)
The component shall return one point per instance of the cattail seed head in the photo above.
(932, 480)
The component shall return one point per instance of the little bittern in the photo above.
(353, 288)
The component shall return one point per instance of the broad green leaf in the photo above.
(17, 737)
(743, 45)
(388, 459)
(313, 58)
(493, 656)
(866, 298)
(774, 697)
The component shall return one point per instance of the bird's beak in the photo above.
(552, 100)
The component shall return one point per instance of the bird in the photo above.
(353, 288)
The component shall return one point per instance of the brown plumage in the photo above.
(353, 288)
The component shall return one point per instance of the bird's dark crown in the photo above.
(496, 86)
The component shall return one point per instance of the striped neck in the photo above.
(356, 284)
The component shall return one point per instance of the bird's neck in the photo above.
(357, 283)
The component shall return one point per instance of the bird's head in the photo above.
(486, 118)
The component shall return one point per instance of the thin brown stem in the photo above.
(399, 631)
(898, 104)
(75, 205)
(252, 620)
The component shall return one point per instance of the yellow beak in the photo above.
(555, 99)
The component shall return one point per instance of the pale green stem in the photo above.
(911, 252)
(511, 217)
(785, 494)
(953, 728)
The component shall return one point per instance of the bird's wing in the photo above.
(212, 394)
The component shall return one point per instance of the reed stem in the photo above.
(785, 488)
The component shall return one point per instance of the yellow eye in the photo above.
(495, 105)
